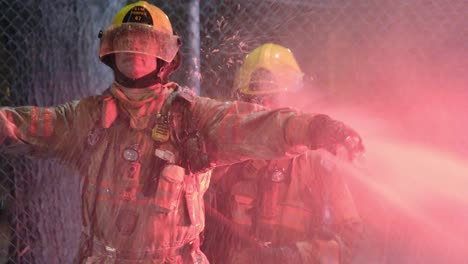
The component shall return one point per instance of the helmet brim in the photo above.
(139, 38)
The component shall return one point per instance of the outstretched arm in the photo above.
(236, 131)
(42, 131)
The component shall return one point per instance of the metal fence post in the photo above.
(194, 44)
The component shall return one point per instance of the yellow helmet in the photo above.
(140, 28)
(268, 69)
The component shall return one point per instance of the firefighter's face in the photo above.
(135, 65)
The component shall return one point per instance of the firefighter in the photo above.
(296, 210)
(144, 148)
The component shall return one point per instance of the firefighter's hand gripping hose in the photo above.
(332, 134)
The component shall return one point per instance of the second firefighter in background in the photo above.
(292, 210)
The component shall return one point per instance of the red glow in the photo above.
(412, 188)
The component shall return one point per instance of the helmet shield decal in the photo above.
(139, 38)
(138, 14)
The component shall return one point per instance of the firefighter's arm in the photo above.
(347, 228)
(335, 234)
(278, 254)
(38, 131)
(343, 230)
(336, 246)
(346, 222)
(236, 131)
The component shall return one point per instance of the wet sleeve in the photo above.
(39, 131)
(338, 225)
(346, 223)
(236, 131)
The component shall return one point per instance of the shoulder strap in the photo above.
(180, 94)
(195, 158)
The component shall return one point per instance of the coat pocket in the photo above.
(126, 222)
(194, 201)
(169, 187)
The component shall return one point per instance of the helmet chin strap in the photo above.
(147, 80)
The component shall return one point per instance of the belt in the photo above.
(101, 249)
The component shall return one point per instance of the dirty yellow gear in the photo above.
(268, 69)
(140, 28)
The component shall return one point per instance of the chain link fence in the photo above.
(48, 57)
(362, 51)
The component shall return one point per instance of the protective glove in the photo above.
(331, 134)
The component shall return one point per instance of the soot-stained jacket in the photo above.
(142, 188)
